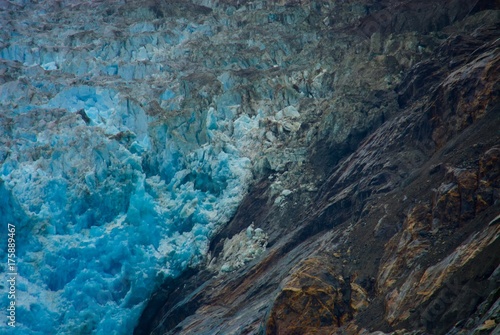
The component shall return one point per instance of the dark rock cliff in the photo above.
(389, 221)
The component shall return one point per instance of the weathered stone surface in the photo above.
(314, 300)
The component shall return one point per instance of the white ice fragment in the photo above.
(250, 231)
(291, 126)
(279, 115)
(142, 54)
(290, 112)
(270, 136)
(50, 66)
(279, 126)
(242, 248)
(188, 209)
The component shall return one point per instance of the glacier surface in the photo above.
(128, 138)
(96, 229)
(107, 198)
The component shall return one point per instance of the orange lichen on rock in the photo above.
(314, 300)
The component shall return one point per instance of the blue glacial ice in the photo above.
(107, 207)
(108, 196)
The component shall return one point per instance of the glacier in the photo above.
(108, 198)
(129, 134)
(97, 231)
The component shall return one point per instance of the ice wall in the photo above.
(127, 138)
(96, 232)
(106, 199)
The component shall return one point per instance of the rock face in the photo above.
(252, 167)
(314, 297)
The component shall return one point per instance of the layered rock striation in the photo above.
(252, 167)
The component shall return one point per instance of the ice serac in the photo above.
(113, 181)
(96, 230)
